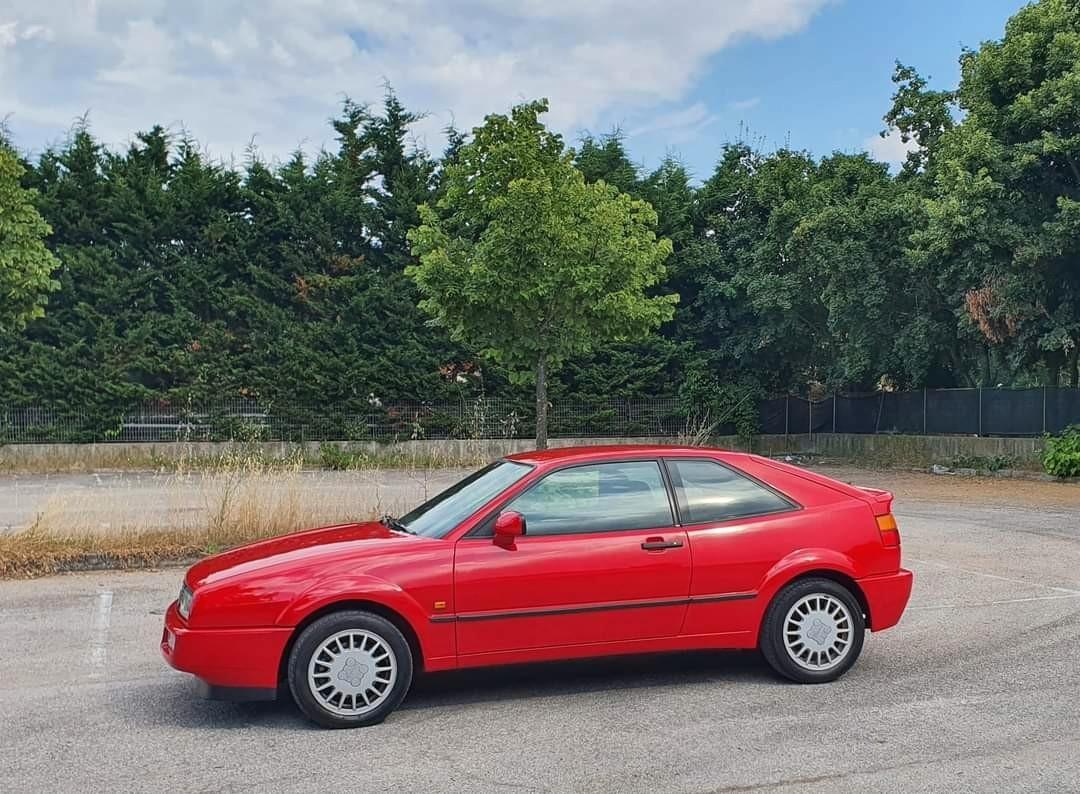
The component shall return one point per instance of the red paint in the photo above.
(516, 598)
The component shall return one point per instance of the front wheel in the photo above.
(350, 669)
(813, 631)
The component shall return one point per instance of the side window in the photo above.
(604, 497)
(708, 491)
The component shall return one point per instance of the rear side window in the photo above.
(708, 491)
(604, 497)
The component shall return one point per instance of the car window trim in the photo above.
(494, 512)
(679, 493)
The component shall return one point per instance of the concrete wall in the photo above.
(904, 451)
(884, 450)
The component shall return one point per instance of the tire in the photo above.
(826, 628)
(349, 669)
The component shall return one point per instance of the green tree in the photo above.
(605, 159)
(530, 264)
(1004, 204)
(26, 265)
(920, 116)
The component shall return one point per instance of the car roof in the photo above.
(616, 452)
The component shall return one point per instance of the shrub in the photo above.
(335, 458)
(1061, 455)
(983, 462)
(714, 408)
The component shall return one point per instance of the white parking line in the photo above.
(99, 634)
(994, 603)
(945, 567)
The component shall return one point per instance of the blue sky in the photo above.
(681, 76)
(826, 87)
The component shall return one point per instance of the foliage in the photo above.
(182, 280)
(713, 408)
(186, 280)
(990, 463)
(1003, 205)
(26, 265)
(335, 458)
(1061, 455)
(525, 261)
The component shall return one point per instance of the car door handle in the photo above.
(658, 544)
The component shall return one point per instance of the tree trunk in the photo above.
(541, 403)
(1053, 368)
(1074, 377)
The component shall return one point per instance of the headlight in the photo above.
(183, 603)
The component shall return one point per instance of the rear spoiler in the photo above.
(880, 501)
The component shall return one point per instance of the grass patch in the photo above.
(181, 457)
(194, 513)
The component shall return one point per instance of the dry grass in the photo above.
(181, 457)
(201, 512)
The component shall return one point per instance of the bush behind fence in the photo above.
(984, 412)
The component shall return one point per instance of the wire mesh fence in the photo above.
(1001, 412)
(246, 420)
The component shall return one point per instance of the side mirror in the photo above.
(509, 526)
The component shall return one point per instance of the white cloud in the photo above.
(679, 125)
(278, 69)
(746, 104)
(890, 148)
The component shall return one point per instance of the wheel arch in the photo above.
(849, 583)
(811, 563)
(358, 604)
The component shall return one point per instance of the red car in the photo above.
(559, 554)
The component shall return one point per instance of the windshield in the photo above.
(440, 514)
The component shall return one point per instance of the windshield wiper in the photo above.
(389, 521)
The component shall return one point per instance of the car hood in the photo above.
(339, 542)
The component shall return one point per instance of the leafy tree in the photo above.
(919, 115)
(605, 159)
(1004, 207)
(26, 265)
(528, 262)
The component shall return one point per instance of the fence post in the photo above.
(924, 411)
(834, 413)
(810, 418)
(1044, 409)
(980, 412)
(787, 414)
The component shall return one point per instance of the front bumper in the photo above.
(886, 597)
(233, 664)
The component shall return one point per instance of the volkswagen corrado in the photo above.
(555, 554)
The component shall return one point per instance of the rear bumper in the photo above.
(886, 597)
(230, 663)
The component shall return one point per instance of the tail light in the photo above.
(890, 533)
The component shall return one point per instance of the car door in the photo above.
(601, 560)
(738, 528)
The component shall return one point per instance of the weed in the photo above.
(196, 512)
(983, 462)
(1061, 455)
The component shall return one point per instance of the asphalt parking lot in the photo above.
(978, 688)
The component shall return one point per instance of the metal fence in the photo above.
(984, 412)
(973, 412)
(245, 420)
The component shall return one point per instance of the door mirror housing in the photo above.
(509, 526)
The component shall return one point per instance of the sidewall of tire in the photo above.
(309, 640)
(771, 639)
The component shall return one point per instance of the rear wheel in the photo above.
(813, 631)
(350, 669)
